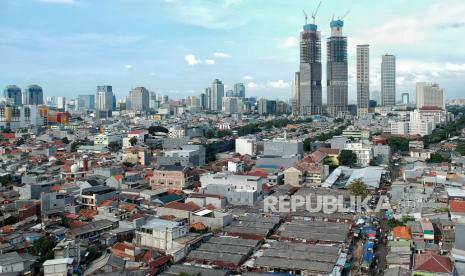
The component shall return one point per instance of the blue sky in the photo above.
(178, 47)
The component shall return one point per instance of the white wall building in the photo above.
(429, 95)
(58, 267)
(364, 152)
(106, 138)
(246, 145)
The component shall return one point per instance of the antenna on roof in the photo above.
(315, 12)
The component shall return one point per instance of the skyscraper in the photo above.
(337, 70)
(203, 101)
(86, 101)
(239, 90)
(295, 93)
(140, 99)
(61, 102)
(217, 94)
(310, 101)
(13, 93)
(363, 79)
(429, 95)
(104, 98)
(208, 98)
(33, 95)
(388, 80)
(406, 98)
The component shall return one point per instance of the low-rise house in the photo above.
(204, 200)
(170, 177)
(432, 264)
(58, 267)
(294, 177)
(94, 196)
(178, 210)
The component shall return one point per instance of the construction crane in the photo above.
(345, 14)
(306, 16)
(315, 12)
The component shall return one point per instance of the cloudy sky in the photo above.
(177, 47)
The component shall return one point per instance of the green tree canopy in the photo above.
(358, 188)
(154, 129)
(43, 248)
(133, 141)
(347, 158)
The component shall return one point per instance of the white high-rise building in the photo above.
(388, 80)
(61, 102)
(363, 79)
(232, 105)
(429, 95)
(295, 93)
(104, 98)
(140, 99)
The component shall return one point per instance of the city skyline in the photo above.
(169, 54)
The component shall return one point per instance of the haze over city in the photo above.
(178, 47)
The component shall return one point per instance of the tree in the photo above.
(307, 144)
(436, 158)
(5, 179)
(43, 248)
(75, 145)
(114, 146)
(223, 133)
(331, 162)
(19, 142)
(65, 140)
(210, 134)
(461, 148)
(154, 129)
(358, 188)
(398, 144)
(133, 141)
(347, 158)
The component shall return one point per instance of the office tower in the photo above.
(153, 103)
(217, 94)
(336, 70)
(230, 93)
(388, 80)
(239, 90)
(140, 99)
(61, 102)
(87, 101)
(203, 101)
(13, 94)
(104, 98)
(208, 95)
(429, 95)
(193, 103)
(363, 79)
(295, 94)
(232, 105)
(310, 101)
(406, 98)
(33, 95)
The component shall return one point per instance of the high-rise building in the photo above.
(61, 102)
(363, 79)
(153, 103)
(217, 94)
(429, 95)
(336, 69)
(193, 103)
(230, 93)
(208, 95)
(13, 94)
(104, 98)
(87, 101)
(266, 106)
(232, 105)
(203, 101)
(33, 95)
(388, 80)
(405, 98)
(310, 99)
(140, 99)
(239, 90)
(295, 94)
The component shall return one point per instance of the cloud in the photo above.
(208, 14)
(128, 66)
(252, 85)
(278, 84)
(209, 61)
(64, 2)
(248, 78)
(191, 60)
(290, 42)
(221, 55)
(455, 67)
(152, 74)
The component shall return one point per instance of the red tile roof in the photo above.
(457, 206)
(190, 206)
(433, 263)
(402, 232)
